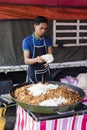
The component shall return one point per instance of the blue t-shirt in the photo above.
(28, 43)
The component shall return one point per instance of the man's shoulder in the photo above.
(28, 37)
(47, 37)
(27, 40)
(26, 43)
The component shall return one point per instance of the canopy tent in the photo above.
(48, 2)
(12, 30)
(30, 12)
(53, 9)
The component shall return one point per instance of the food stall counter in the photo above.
(24, 121)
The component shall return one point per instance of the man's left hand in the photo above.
(46, 65)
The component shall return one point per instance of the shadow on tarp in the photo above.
(62, 72)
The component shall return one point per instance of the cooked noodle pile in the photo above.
(51, 96)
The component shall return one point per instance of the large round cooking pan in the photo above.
(49, 109)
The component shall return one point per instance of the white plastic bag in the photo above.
(82, 80)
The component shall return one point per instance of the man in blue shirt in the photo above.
(34, 46)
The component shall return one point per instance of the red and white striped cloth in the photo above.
(26, 122)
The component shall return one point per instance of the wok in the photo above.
(48, 109)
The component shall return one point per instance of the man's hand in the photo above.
(39, 60)
(46, 65)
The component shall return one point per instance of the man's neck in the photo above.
(38, 37)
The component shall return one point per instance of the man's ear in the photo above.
(34, 25)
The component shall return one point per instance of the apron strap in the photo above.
(41, 72)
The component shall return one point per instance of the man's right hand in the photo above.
(39, 59)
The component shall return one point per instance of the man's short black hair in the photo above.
(40, 19)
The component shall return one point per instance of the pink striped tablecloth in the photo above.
(26, 122)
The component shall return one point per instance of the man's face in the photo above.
(40, 29)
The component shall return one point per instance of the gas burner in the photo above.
(80, 109)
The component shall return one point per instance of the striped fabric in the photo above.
(25, 122)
